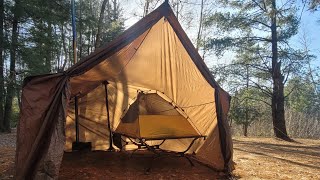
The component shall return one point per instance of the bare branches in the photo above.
(263, 8)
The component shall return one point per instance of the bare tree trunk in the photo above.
(245, 129)
(12, 74)
(80, 30)
(89, 41)
(1, 66)
(115, 10)
(177, 10)
(98, 38)
(146, 8)
(64, 46)
(200, 26)
(277, 102)
(247, 105)
(48, 49)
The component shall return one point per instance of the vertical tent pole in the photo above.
(109, 126)
(76, 110)
(74, 32)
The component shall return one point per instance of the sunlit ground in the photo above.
(255, 158)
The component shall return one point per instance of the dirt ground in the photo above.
(255, 158)
(115, 165)
(268, 158)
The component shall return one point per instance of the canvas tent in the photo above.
(154, 55)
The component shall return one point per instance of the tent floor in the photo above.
(119, 165)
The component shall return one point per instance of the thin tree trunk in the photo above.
(115, 10)
(48, 49)
(278, 117)
(64, 48)
(247, 105)
(177, 11)
(80, 30)
(92, 39)
(200, 26)
(1, 66)
(146, 8)
(98, 38)
(312, 78)
(245, 129)
(89, 41)
(12, 74)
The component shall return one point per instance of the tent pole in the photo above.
(76, 109)
(109, 126)
(74, 32)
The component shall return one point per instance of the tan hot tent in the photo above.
(148, 82)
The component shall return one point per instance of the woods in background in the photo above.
(36, 38)
(274, 84)
(266, 63)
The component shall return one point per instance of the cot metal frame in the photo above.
(141, 143)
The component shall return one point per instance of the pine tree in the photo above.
(262, 28)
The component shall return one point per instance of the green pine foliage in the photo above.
(44, 40)
(245, 28)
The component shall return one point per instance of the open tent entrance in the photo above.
(152, 117)
(154, 54)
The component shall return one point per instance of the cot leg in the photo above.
(151, 163)
(133, 152)
(191, 163)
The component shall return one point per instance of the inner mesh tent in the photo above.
(153, 54)
(152, 117)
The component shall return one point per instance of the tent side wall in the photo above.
(224, 104)
(222, 96)
(40, 135)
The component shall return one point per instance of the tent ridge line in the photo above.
(121, 41)
(103, 56)
(193, 53)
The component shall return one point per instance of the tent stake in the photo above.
(109, 126)
(76, 117)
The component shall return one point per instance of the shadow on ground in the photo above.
(120, 165)
(255, 158)
(268, 158)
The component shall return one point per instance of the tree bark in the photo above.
(277, 101)
(98, 38)
(12, 74)
(245, 129)
(1, 65)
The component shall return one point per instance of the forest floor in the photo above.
(255, 158)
